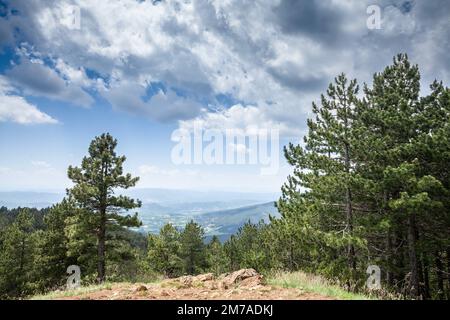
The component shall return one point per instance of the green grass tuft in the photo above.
(76, 292)
(314, 284)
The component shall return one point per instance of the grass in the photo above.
(76, 292)
(314, 284)
(84, 290)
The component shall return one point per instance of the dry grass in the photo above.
(314, 284)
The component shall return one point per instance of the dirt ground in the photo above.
(245, 284)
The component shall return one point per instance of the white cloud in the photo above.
(394, 22)
(162, 106)
(16, 109)
(270, 58)
(73, 75)
(273, 55)
(203, 48)
(37, 79)
(245, 120)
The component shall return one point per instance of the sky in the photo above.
(142, 70)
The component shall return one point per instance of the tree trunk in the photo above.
(390, 257)
(22, 256)
(426, 277)
(101, 248)
(448, 273)
(349, 214)
(389, 275)
(191, 263)
(291, 254)
(101, 265)
(351, 248)
(439, 276)
(414, 275)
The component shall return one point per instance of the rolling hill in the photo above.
(220, 213)
(224, 223)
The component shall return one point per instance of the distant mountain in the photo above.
(224, 223)
(220, 213)
(196, 208)
(175, 200)
(173, 196)
(14, 199)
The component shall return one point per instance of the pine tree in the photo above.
(389, 117)
(216, 259)
(164, 251)
(51, 259)
(251, 247)
(192, 249)
(431, 149)
(232, 252)
(16, 256)
(324, 176)
(95, 181)
(402, 157)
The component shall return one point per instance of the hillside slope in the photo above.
(224, 223)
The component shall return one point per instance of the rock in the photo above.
(215, 295)
(185, 281)
(164, 293)
(212, 285)
(255, 281)
(228, 293)
(240, 275)
(204, 277)
(224, 285)
(141, 288)
(246, 278)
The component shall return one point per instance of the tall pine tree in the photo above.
(95, 182)
(324, 179)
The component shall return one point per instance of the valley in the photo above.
(219, 213)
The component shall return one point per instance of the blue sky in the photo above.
(142, 69)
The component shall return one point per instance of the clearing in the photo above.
(245, 284)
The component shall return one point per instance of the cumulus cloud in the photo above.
(244, 120)
(276, 56)
(162, 106)
(313, 18)
(16, 109)
(36, 79)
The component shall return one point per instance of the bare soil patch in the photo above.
(245, 284)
